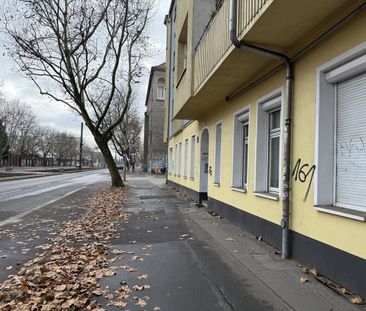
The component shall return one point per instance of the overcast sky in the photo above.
(60, 117)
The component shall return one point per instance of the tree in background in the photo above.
(33, 145)
(83, 54)
(4, 145)
(20, 123)
(127, 135)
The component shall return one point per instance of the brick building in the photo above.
(154, 147)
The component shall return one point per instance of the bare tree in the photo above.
(20, 124)
(82, 53)
(128, 133)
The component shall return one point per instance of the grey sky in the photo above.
(60, 117)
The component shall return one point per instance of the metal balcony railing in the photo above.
(215, 41)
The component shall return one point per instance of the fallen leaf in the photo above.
(118, 304)
(60, 288)
(229, 239)
(313, 272)
(117, 252)
(139, 288)
(156, 308)
(98, 292)
(109, 273)
(143, 276)
(9, 268)
(304, 280)
(357, 300)
(142, 303)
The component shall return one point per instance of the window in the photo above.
(160, 92)
(268, 146)
(218, 154)
(341, 135)
(160, 95)
(193, 147)
(176, 160)
(179, 159)
(185, 158)
(274, 150)
(170, 165)
(240, 150)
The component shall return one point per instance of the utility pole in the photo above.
(81, 145)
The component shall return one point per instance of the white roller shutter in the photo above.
(351, 143)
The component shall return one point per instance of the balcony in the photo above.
(284, 26)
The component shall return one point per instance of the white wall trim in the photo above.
(243, 110)
(194, 156)
(274, 99)
(329, 73)
(220, 122)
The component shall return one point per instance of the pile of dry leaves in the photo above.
(65, 275)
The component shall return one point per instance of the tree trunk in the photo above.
(108, 157)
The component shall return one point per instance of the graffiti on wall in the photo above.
(158, 162)
(304, 173)
(352, 150)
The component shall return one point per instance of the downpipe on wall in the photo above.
(286, 245)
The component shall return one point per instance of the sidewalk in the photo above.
(195, 261)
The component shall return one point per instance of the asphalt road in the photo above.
(19, 198)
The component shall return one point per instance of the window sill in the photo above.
(185, 177)
(179, 176)
(216, 184)
(237, 189)
(267, 195)
(343, 212)
(191, 178)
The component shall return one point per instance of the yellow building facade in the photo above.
(229, 120)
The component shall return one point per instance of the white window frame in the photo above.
(193, 151)
(176, 160)
(241, 119)
(170, 161)
(158, 92)
(265, 105)
(179, 159)
(185, 168)
(218, 153)
(346, 65)
(275, 133)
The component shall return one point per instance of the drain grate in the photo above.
(152, 197)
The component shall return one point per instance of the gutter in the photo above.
(286, 249)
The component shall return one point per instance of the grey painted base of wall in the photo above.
(194, 195)
(256, 226)
(337, 265)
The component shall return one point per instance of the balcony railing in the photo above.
(216, 42)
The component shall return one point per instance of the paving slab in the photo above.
(200, 262)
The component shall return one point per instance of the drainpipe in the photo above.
(288, 109)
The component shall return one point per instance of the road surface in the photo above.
(20, 197)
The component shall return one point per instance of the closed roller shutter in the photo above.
(351, 143)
